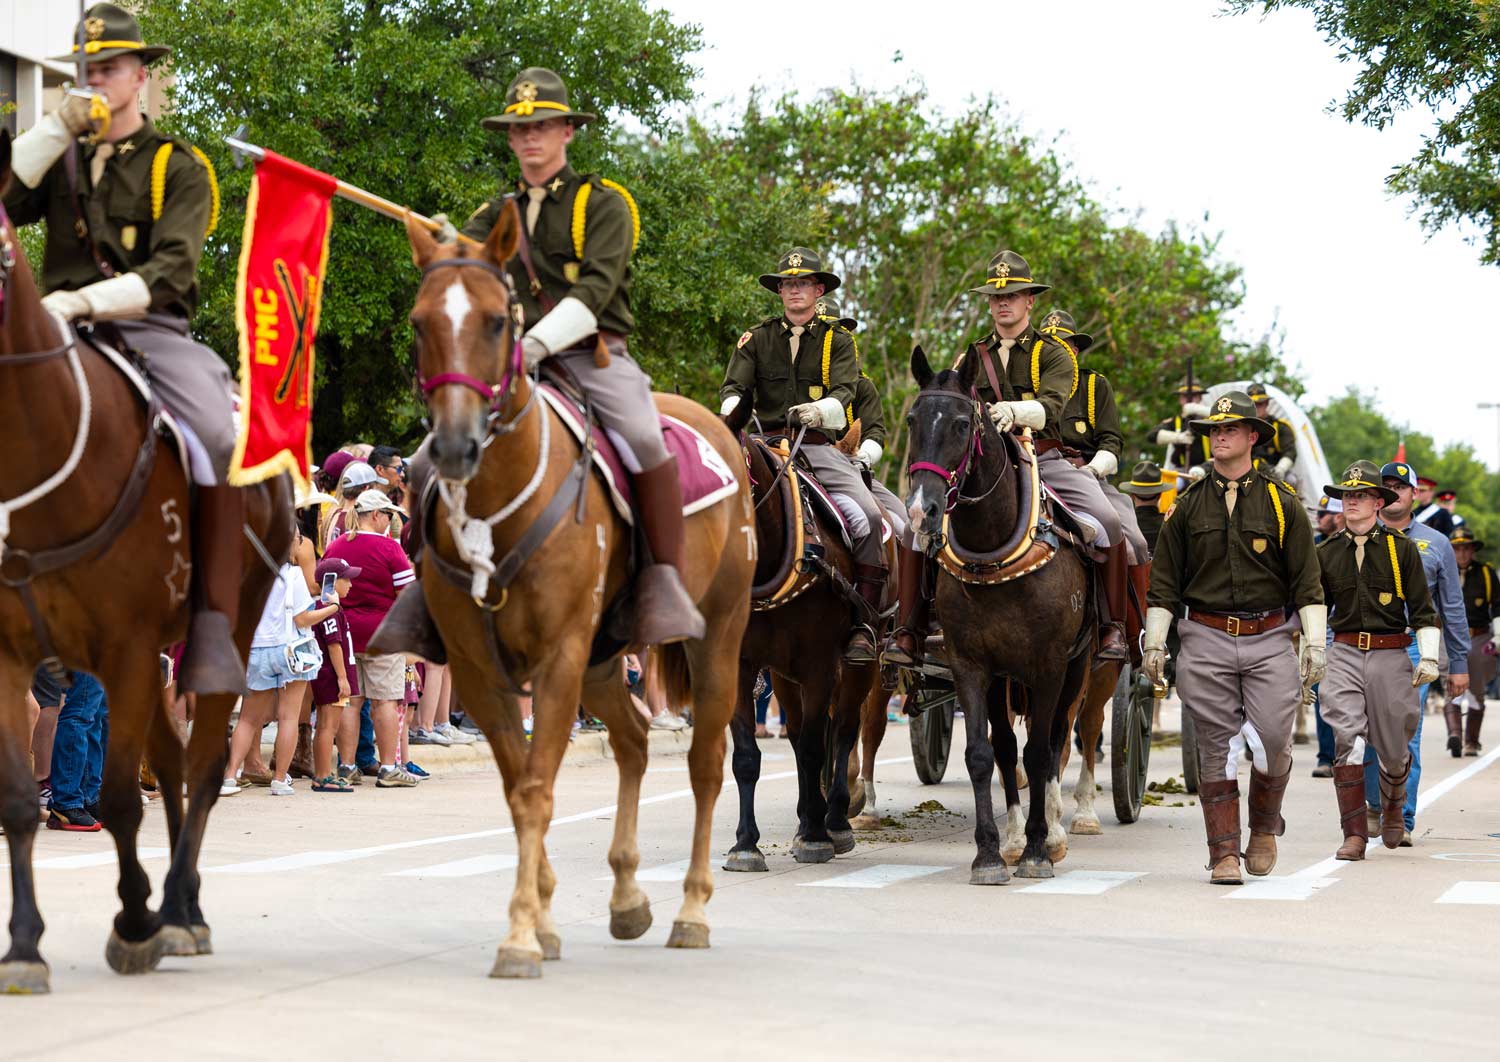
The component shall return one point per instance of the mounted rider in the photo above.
(801, 370)
(1189, 448)
(1278, 454)
(128, 209)
(571, 274)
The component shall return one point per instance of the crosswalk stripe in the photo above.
(876, 877)
(1486, 892)
(461, 868)
(668, 872)
(1290, 887)
(1084, 882)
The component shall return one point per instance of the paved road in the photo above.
(366, 924)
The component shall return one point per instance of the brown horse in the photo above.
(542, 627)
(104, 562)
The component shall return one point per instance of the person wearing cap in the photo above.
(1279, 452)
(1330, 518)
(1145, 488)
(1447, 500)
(801, 371)
(1482, 604)
(357, 477)
(1429, 512)
(1189, 449)
(1237, 551)
(572, 277)
(127, 213)
(1376, 588)
(1446, 586)
(338, 680)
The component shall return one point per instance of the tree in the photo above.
(1443, 55)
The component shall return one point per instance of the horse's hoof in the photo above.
(1085, 827)
(551, 945)
(24, 978)
(178, 940)
(204, 938)
(1034, 868)
(1057, 852)
(134, 957)
(865, 822)
(857, 797)
(1012, 855)
(843, 841)
(751, 862)
(688, 935)
(812, 851)
(517, 963)
(998, 874)
(632, 923)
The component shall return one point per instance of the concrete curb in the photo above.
(586, 747)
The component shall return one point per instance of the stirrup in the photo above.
(855, 651)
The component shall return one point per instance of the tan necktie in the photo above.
(1005, 345)
(1359, 550)
(534, 197)
(796, 340)
(102, 154)
(1231, 495)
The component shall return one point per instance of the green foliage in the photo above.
(1443, 55)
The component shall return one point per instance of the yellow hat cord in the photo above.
(526, 108)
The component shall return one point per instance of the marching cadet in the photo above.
(1279, 452)
(1483, 607)
(1145, 488)
(1190, 449)
(1237, 551)
(1375, 587)
(127, 214)
(801, 370)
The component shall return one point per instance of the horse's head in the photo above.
(468, 337)
(944, 428)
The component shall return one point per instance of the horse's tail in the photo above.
(668, 678)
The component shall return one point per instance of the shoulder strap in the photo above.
(989, 370)
(523, 251)
(80, 221)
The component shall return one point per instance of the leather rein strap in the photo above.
(989, 371)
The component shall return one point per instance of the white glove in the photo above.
(569, 322)
(1003, 416)
(1196, 473)
(1195, 409)
(1283, 467)
(807, 414)
(1154, 645)
(869, 453)
(34, 151)
(84, 113)
(447, 233)
(117, 298)
(1312, 662)
(532, 351)
(1103, 464)
(1179, 438)
(1495, 629)
(71, 304)
(725, 407)
(1427, 650)
(1029, 414)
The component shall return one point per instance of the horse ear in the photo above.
(506, 234)
(738, 417)
(968, 370)
(423, 245)
(4, 158)
(920, 370)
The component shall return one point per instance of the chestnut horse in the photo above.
(105, 607)
(487, 445)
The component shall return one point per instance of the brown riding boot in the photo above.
(1471, 731)
(1454, 717)
(664, 612)
(1221, 821)
(1266, 823)
(1114, 579)
(211, 662)
(904, 648)
(1392, 799)
(302, 757)
(869, 581)
(1349, 788)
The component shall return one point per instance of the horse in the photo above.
(96, 578)
(1018, 636)
(803, 645)
(489, 452)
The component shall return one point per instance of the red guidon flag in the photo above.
(287, 220)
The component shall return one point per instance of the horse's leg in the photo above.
(812, 844)
(1090, 726)
(609, 700)
(22, 971)
(851, 695)
(1003, 739)
(1057, 837)
(746, 854)
(972, 686)
(165, 754)
(1042, 698)
(871, 732)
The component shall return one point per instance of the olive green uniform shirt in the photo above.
(599, 277)
(1282, 443)
(1260, 558)
(1479, 594)
(1040, 369)
(867, 410)
(1370, 597)
(1090, 421)
(163, 250)
(1148, 518)
(761, 366)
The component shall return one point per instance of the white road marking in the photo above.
(876, 877)
(1084, 882)
(461, 868)
(669, 872)
(1487, 892)
(1291, 887)
(106, 858)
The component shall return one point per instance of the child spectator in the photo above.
(338, 679)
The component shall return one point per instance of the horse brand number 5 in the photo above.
(170, 517)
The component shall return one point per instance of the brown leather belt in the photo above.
(1042, 446)
(1364, 641)
(1236, 627)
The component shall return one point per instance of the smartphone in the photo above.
(329, 579)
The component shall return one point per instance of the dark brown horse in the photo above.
(801, 639)
(1021, 644)
(541, 628)
(105, 607)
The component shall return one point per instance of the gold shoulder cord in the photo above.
(581, 213)
(1036, 369)
(1390, 545)
(159, 184)
(1093, 376)
(1486, 585)
(1281, 516)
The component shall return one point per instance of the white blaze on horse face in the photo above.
(456, 305)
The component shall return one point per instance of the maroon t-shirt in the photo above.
(384, 573)
(334, 631)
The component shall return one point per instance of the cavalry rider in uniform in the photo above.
(1375, 588)
(1237, 550)
(1191, 448)
(1279, 452)
(1482, 601)
(127, 213)
(1145, 488)
(572, 278)
(798, 367)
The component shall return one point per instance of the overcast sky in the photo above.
(1167, 107)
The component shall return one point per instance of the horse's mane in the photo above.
(947, 380)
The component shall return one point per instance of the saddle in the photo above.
(128, 362)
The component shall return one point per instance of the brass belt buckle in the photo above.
(1232, 626)
(1363, 645)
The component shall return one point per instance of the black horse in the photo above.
(1021, 643)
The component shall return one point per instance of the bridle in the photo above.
(974, 450)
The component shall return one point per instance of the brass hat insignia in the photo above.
(1003, 269)
(1224, 405)
(94, 27)
(526, 91)
(1052, 321)
(1351, 474)
(821, 308)
(794, 260)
